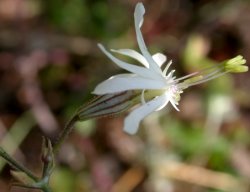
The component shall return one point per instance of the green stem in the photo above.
(16, 165)
(46, 189)
(65, 132)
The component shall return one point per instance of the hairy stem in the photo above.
(16, 165)
(65, 132)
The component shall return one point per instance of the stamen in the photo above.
(212, 73)
(202, 78)
(235, 65)
(186, 76)
(207, 79)
(203, 71)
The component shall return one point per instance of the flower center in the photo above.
(175, 92)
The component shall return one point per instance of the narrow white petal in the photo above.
(170, 75)
(159, 58)
(139, 12)
(134, 54)
(138, 15)
(142, 71)
(162, 106)
(132, 121)
(124, 82)
(174, 104)
(167, 67)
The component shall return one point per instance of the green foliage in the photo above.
(193, 141)
(82, 17)
(63, 180)
(70, 16)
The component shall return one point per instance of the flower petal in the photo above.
(132, 121)
(138, 15)
(124, 82)
(167, 67)
(142, 71)
(174, 104)
(164, 105)
(159, 58)
(134, 54)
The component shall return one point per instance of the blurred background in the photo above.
(50, 63)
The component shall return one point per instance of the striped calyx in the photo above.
(108, 105)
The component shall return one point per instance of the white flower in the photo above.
(153, 82)
(141, 78)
